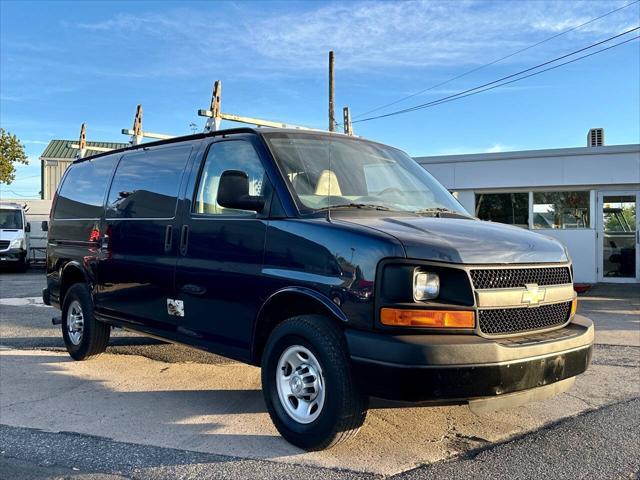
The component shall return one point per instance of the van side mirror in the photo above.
(27, 227)
(233, 192)
(45, 226)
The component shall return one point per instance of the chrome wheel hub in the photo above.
(300, 384)
(75, 322)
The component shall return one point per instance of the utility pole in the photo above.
(332, 117)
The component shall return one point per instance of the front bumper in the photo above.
(13, 255)
(455, 368)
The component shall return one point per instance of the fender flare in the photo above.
(73, 265)
(310, 293)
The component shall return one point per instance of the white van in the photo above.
(14, 235)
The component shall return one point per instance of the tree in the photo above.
(11, 152)
(621, 219)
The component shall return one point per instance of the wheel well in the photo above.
(70, 276)
(282, 307)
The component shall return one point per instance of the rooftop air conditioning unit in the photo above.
(595, 137)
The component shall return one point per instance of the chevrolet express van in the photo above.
(338, 265)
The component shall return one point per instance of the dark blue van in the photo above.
(338, 265)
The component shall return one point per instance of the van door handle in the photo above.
(184, 239)
(168, 238)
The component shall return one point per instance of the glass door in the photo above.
(618, 237)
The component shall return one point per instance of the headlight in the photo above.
(17, 243)
(426, 286)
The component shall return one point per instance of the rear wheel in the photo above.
(83, 335)
(308, 386)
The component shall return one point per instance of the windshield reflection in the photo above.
(327, 171)
(10, 219)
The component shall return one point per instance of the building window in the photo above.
(561, 210)
(511, 208)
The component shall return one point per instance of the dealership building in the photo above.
(585, 197)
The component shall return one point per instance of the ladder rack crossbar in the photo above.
(94, 149)
(158, 136)
(250, 120)
(215, 115)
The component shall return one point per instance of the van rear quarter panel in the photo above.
(69, 241)
(335, 260)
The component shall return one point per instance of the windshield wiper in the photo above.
(367, 206)
(438, 211)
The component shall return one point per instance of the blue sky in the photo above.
(64, 63)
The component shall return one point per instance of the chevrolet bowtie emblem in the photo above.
(533, 294)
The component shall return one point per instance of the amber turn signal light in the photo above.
(395, 317)
(574, 305)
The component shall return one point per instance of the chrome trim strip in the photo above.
(513, 297)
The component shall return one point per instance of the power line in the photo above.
(21, 195)
(464, 92)
(439, 102)
(30, 176)
(495, 61)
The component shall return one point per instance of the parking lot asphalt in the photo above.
(151, 395)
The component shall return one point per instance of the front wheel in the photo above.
(307, 384)
(84, 336)
(23, 265)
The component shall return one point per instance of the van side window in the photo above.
(229, 155)
(146, 183)
(81, 194)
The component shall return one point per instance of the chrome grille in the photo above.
(515, 320)
(519, 277)
(4, 244)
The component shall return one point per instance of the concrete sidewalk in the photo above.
(615, 311)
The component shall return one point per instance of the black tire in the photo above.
(23, 265)
(345, 407)
(95, 335)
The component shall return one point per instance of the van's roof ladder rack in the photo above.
(346, 121)
(215, 115)
(137, 134)
(82, 147)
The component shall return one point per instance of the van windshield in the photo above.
(10, 219)
(327, 171)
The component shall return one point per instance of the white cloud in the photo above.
(365, 35)
(10, 98)
(463, 150)
(499, 147)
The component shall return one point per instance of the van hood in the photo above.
(10, 234)
(467, 241)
